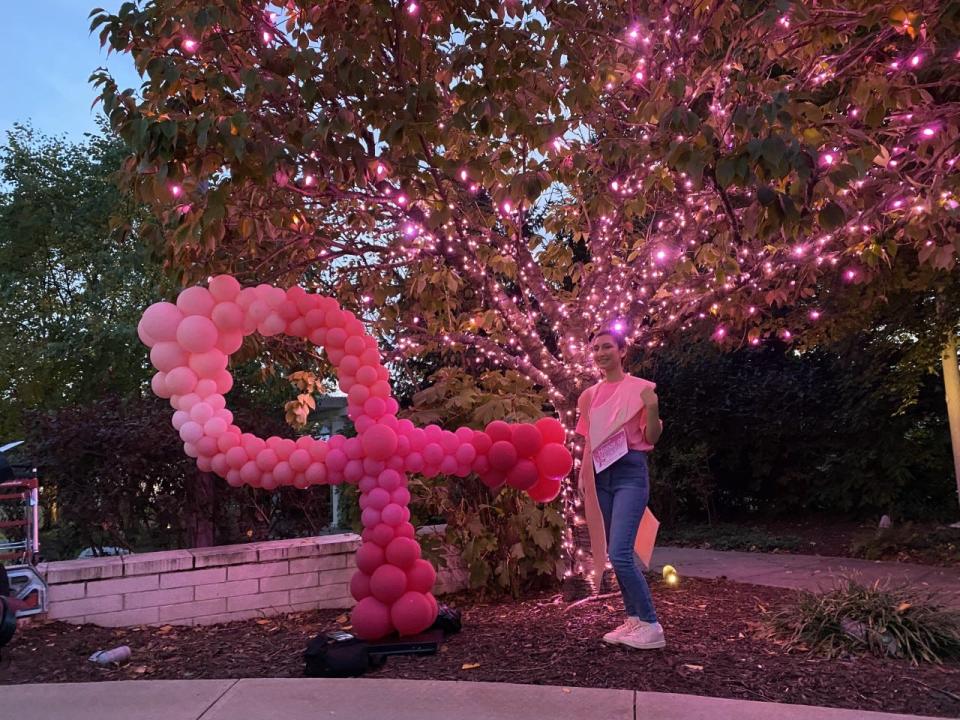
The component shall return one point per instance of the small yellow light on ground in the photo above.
(670, 576)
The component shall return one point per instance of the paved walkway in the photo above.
(806, 572)
(370, 699)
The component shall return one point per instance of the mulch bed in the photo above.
(713, 649)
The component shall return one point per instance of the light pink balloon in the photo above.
(158, 383)
(190, 432)
(167, 355)
(205, 387)
(197, 334)
(196, 301)
(316, 474)
(215, 427)
(224, 382)
(227, 316)
(144, 336)
(208, 364)
(181, 380)
(224, 288)
(160, 321)
(179, 418)
(273, 324)
(201, 412)
(230, 341)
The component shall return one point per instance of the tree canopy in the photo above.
(497, 178)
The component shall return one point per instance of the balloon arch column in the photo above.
(190, 343)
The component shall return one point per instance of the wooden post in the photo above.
(951, 386)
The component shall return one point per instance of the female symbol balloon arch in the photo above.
(190, 343)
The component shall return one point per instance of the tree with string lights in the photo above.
(495, 178)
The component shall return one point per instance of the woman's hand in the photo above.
(649, 397)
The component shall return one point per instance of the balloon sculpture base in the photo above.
(340, 654)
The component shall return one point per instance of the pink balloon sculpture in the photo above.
(190, 343)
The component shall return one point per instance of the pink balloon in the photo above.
(201, 412)
(411, 614)
(273, 324)
(299, 460)
(197, 334)
(336, 337)
(167, 355)
(224, 382)
(205, 388)
(353, 471)
(224, 288)
(379, 442)
(354, 346)
(378, 498)
(250, 473)
(400, 496)
(433, 454)
(228, 440)
(375, 407)
(160, 321)
(388, 583)
(227, 316)
(233, 478)
(336, 460)
(527, 440)
(215, 427)
(403, 552)
(465, 454)
(389, 480)
(503, 455)
(283, 473)
(181, 380)
(267, 460)
(392, 514)
(371, 619)
(315, 474)
(545, 490)
(190, 432)
(382, 534)
(237, 457)
(196, 301)
(498, 430)
(370, 556)
(179, 418)
(158, 383)
(144, 336)
(370, 517)
(360, 586)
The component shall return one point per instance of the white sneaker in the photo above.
(613, 637)
(643, 636)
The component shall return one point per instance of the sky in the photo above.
(47, 54)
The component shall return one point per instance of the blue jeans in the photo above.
(623, 490)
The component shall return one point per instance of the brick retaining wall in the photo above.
(213, 585)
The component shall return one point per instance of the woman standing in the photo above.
(620, 421)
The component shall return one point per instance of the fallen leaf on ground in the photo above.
(263, 621)
(470, 666)
(696, 668)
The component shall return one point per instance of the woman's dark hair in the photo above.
(617, 337)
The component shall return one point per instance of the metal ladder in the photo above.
(22, 492)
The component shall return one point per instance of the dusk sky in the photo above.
(48, 54)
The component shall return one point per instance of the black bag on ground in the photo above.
(449, 620)
(339, 655)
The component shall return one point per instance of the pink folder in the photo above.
(646, 537)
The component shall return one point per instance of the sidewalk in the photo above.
(806, 572)
(368, 699)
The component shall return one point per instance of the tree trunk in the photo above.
(951, 386)
(199, 504)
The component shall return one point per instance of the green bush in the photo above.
(854, 618)
(727, 537)
(910, 542)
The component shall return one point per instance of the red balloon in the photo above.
(392, 514)
(493, 479)
(360, 586)
(503, 455)
(527, 440)
(371, 619)
(523, 475)
(554, 460)
(403, 552)
(412, 613)
(551, 430)
(421, 576)
(388, 583)
(498, 430)
(546, 489)
(481, 442)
